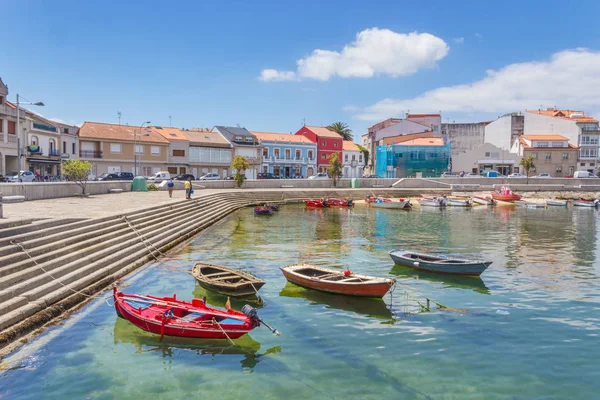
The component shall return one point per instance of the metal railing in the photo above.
(54, 153)
(288, 159)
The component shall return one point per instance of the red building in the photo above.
(328, 142)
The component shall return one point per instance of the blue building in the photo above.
(287, 155)
(427, 157)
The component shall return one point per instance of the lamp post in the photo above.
(38, 103)
(135, 147)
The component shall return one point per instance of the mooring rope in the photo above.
(143, 239)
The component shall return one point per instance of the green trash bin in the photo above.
(139, 184)
(355, 183)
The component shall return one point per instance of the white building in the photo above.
(352, 160)
(486, 157)
(463, 136)
(504, 131)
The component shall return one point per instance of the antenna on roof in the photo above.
(169, 120)
(119, 115)
(304, 121)
(238, 125)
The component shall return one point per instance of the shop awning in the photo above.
(44, 161)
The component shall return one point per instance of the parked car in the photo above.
(160, 176)
(184, 177)
(542, 176)
(125, 176)
(584, 174)
(516, 175)
(320, 175)
(471, 175)
(372, 176)
(109, 177)
(26, 176)
(449, 175)
(209, 177)
(267, 175)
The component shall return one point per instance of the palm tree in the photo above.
(342, 129)
(527, 163)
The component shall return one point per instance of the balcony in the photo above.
(90, 154)
(35, 149)
(54, 153)
(288, 160)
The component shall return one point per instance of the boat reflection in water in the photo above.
(218, 300)
(474, 283)
(144, 342)
(366, 306)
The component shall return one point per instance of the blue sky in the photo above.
(201, 61)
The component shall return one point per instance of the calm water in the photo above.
(527, 329)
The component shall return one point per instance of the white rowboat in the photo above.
(557, 203)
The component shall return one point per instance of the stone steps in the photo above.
(83, 255)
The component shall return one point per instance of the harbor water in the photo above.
(527, 329)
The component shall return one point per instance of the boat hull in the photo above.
(486, 201)
(431, 203)
(582, 203)
(474, 268)
(369, 289)
(556, 203)
(399, 205)
(509, 198)
(459, 203)
(247, 285)
(530, 205)
(315, 203)
(262, 211)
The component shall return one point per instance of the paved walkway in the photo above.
(98, 206)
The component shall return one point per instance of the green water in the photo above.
(528, 329)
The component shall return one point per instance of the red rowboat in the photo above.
(172, 317)
(315, 203)
(340, 203)
(334, 281)
(506, 194)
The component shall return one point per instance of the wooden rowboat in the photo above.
(434, 202)
(225, 280)
(585, 203)
(262, 210)
(557, 203)
(459, 203)
(529, 204)
(444, 265)
(486, 201)
(335, 281)
(172, 317)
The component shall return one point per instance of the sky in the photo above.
(274, 65)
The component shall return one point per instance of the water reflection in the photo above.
(375, 308)
(219, 300)
(474, 283)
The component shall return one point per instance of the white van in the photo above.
(160, 176)
(583, 174)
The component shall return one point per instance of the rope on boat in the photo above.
(428, 301)
(24, 250)
(223, 330)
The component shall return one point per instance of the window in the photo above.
(323, 156)
(73, 146)
(487, 154)
(559, 169)
(239, 138)
(548, 156)
(360, 157)
(534, 155)
(288, 154)
(353, 157)
(155, 150)
(12, 127)
(346, 157)
(249, 139)
(582, 164)
(589, 140)
(146, 171)
(565, 156)
(173, 134)
(335, 144)
(541, 144)
(64, 147)
(178, 153)
(323, 143)
(276, 153)
(35, 140)
(139, 149)
(310, 154)
(298, 154)
(588, 152)
(115, 148)
(265, 152)
(52, 145)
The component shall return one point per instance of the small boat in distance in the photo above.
(586, 203)
(557, 203)
(433, 202)
(316, 203)
(506, 194)
(339, 202)
(225, 280)
(336, 281)
(172, 317)
(260, 210)
(372, 199)
(459, 203)
(401, 204)
(529, 204)
(440, 264)
(486, 201)
(272, 207)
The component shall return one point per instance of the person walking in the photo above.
(188, 189)
(170, 187)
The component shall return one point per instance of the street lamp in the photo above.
(38, 103)
(135, 147)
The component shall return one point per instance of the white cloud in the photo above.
(571, 78)
(459, 40)
(374, 52)
(274, 75)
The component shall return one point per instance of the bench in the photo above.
(13, 199)
(115, 190)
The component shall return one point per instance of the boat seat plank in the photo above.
(217, 274)
(350, 280)
(227, 277)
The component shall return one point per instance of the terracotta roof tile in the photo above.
(423, 142)
(349, 145)
(206, 138)
(565, 114)
(282, 137)
(99, 130)
(548, 138)
(323, 132)
(169, 133)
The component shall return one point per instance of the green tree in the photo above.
(240, 164)
(365, 153)
(528, 164)
(342, 129)
(77, 171)
(335, 168)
